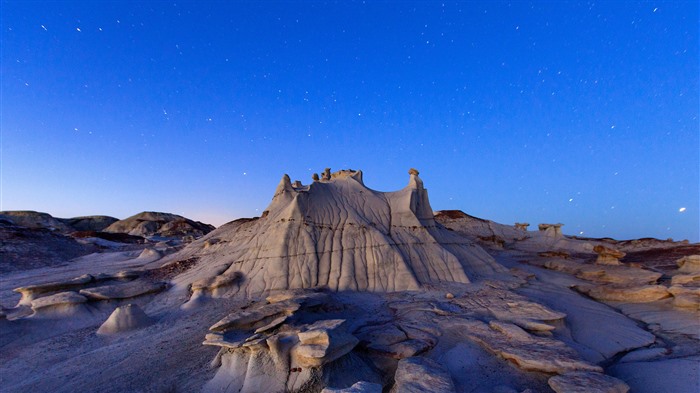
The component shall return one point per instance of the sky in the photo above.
(584, 113)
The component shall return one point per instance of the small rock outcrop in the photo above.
(607, 255)
(587, 382)
(419, 374)
(529, 352)
(551, 230)
(124, 318)
(689, 264)
(522, 226)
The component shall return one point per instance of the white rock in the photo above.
(124, 318)
(421, 375)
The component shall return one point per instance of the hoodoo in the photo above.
(337, 233)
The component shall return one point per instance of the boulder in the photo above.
(323, 342)
(421, 375)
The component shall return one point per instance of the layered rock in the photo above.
(271, 348)
(338, 233)
(529, 352)
(587, 382)
(551, 230)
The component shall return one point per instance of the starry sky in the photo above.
(584, 113)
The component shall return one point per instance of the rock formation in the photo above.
(159, 224)
(35, 220)
(522, 225)
(552, 230)
(607, 255)
(124, 318)
(340, 288)
(340, 234)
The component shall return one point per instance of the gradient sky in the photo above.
(584, 113)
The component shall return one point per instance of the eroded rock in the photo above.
(30, 292)
(323, 342)
(629, 294)
(689, 264)
(607, 255)
(123, 290)
(587, 382)
(58, 299)
(420, 375)
(529, 352)
(124, 318)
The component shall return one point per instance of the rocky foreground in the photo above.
(339, 288)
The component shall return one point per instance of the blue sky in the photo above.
(584, 113)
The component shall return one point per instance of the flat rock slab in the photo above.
(663, 313)
(421, 375)
(256, 317)
(123, 290)
(61, 298)
(634, 294)
(529, 352)
(587, 382)
(593, 325)
(29, 292)
(509, 306)
(604, 273)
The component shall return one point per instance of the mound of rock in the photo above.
(89, 223)
(36, 220)
(23, 248)
(149, 224)
(124, 318)
(336, 232)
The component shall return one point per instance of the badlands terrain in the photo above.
(340, 288)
